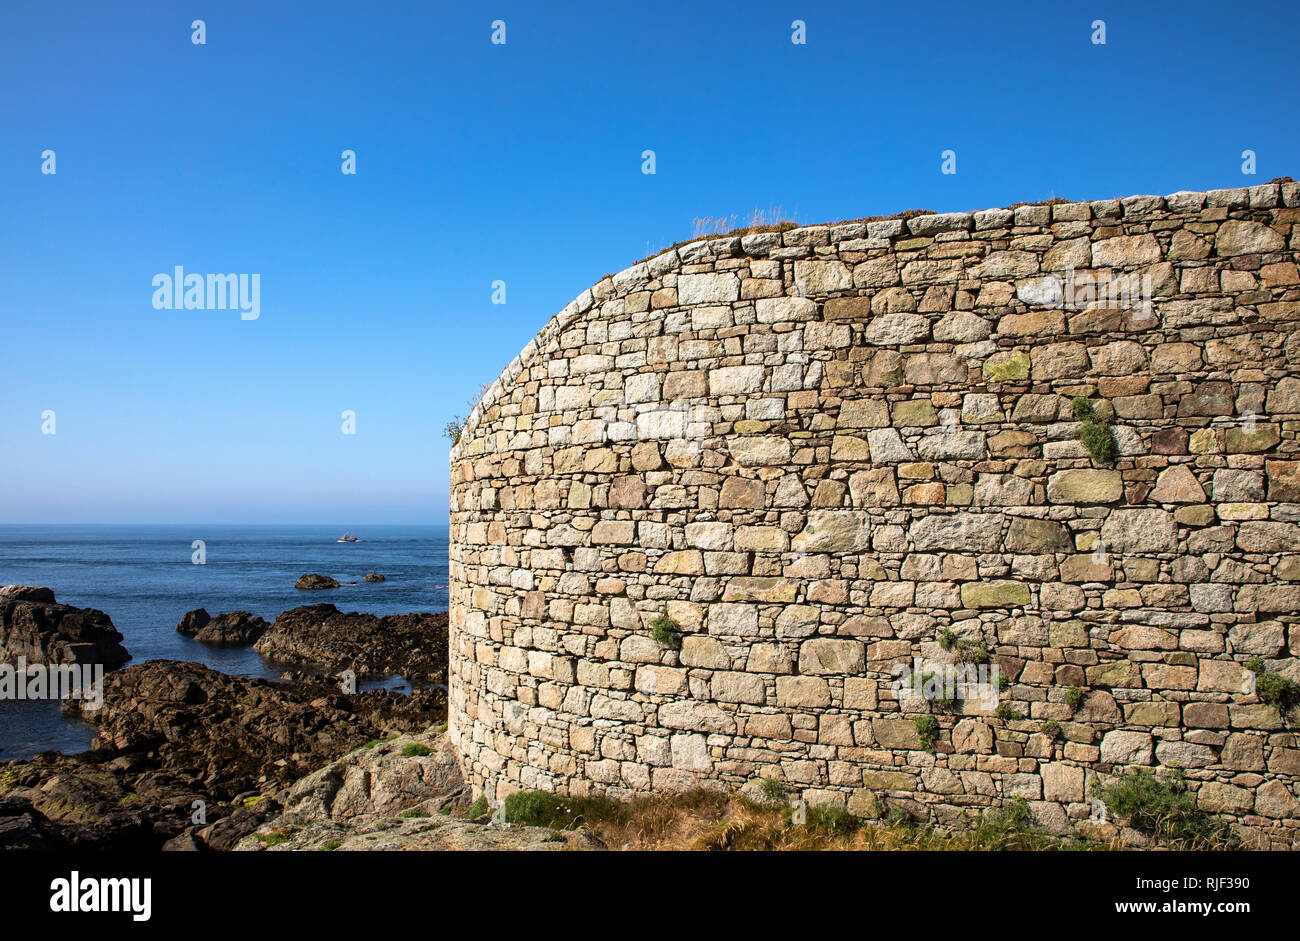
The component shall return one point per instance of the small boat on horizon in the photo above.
(348, 537)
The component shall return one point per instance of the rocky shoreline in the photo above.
(190, 758)
(413, 646)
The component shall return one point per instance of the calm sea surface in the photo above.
(144, 578)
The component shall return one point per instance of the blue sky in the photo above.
(478, 162)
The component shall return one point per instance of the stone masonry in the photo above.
(834, 451)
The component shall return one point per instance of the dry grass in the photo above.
(712, 821)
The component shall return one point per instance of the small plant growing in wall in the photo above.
(452, 430)
(947, 639)
(1052, 729)
(666, 632)
(771, 788)
(1073, 696)
(1280, 692)
(946, 703)
(927, 730)
(1007, 711)
(1095, 433)
(1163, 807)
(973, 651)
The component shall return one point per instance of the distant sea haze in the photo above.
(145, 577)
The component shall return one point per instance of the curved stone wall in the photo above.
(843, 459)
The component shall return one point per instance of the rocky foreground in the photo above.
(405, 793)
(187, 757)
(172, 734)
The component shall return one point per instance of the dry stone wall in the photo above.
(844, 460)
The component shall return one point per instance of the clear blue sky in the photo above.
(479, 162)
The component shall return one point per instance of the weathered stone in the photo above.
(1125, 251)
(1237, 237)
(754, 451)
(707, 288)
(1085, 486)
(1144, 530)
(996, 594)
(1283, 482)
(834, 531)
(827, 655)
(1037, 536)
(1004, 367)
(896, 329)
(1177, 484)
(974, 532)
(1127, 748)
(740, 493)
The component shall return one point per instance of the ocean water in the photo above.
(145, 579)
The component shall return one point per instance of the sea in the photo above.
(145, 577)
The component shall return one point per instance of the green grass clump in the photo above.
(1095, 432)
(927, 730)
(330, 846)
(947, 639)
(771, 788)
(416, 750)
(1280, 692)
(832, 821)
(973, 651)
(1007, 711)
(545, 809)
(1009, 827)
(274, 838)
(415, 812)
(1073, 696)
(665, 631)
(1051, 728)
(1166, 810)
(478, 808)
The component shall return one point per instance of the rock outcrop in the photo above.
(375, 577)
(411, 645)
(399, 794)
(315, 582)
(37, 628)
(230, 629)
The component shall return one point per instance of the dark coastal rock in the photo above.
(375, 577)
(193, 621)
(91, 801)
(229, 732)
(26, 593)
(315, 582)
(34, 626)
(174, 733)
(23, 827)
(411, 645)
(231, 628)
